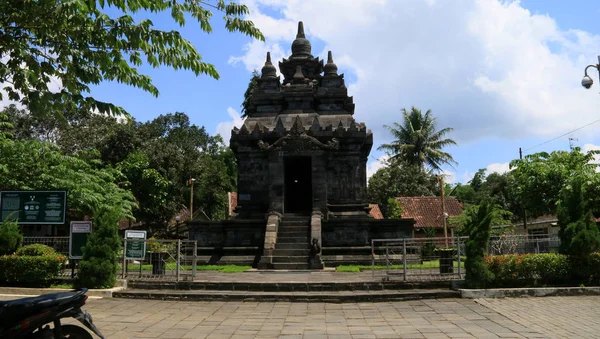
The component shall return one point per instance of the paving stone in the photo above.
(554, 317)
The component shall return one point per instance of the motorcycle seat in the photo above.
(15, 310)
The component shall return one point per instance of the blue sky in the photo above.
(474, 71)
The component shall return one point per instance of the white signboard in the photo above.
(80, 231)
(135, 249)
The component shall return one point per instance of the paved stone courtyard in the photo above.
(550, 317)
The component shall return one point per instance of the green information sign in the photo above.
(34, 207)
(80, 231)
(135, 244)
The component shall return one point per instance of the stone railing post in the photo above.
(316, 243)
(266, 261)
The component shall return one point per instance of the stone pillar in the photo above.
(266, 261)
(315, 235)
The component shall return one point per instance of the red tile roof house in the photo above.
(427, 212)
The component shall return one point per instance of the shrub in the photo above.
(98, 267)
(511, 270)
(30, 271)
(35, 250)
(10, 237)
(478, 228)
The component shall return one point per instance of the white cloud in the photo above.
(499, 168)
(484, 67)
(449, 177)
(592, 147)
(376, 164)
(54, 86)
(224, 128)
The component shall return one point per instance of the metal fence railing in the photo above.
(60, 244)
(418, 259)
(157, 259)
(522, 244)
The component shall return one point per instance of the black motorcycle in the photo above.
(25, 318)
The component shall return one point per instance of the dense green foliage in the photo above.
(35, 250)
(76, 44)
(393, 209)
(478, 229)
(30, 271)
(417, 142)
(398, 179)
(10, 236)
(539, 178)
(103, 162)
(513, 270)
(578, 232)
(249, 94)
(98, 267)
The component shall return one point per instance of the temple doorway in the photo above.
(298, 184)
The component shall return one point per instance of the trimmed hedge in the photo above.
(35, 250)
(513, 270)
(30, 271)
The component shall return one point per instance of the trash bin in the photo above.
(157, 259)
(446, 256)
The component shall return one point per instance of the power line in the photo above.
(562, 135)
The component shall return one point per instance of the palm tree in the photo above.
(417, 142)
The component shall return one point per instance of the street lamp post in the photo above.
(177, 220)
(587, 82)
(191, 183)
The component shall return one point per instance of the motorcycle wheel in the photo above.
(75, 332)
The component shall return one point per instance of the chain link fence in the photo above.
(418, 259)
(522, 244)
(427, 259)
(158, 259)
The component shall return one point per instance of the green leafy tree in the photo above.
(397, 179)
(499, 217)
(35, 165)
(478, 228)
(247, 104)
(578, 232)
(98, 267)
(394, 209)
(539, 178)
(417, 142)
(79, 43)
(463, 193)
(10, 236)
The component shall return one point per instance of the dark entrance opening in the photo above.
(298, 184)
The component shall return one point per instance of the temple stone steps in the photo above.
(289, 296)
(292, 247)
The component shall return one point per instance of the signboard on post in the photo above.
(80, 232)
(135, 250)
(34, 207)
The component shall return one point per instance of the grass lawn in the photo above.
(68, 286)
(424, 265)
(172, 266)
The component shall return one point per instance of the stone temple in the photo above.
(302, 179)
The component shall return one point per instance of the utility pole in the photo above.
(524, 211)
(191, 183)
(441, 180)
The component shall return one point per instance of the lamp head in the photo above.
(587, 82)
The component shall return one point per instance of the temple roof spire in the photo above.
(268, 71)
(330, 68)
(301, 46)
